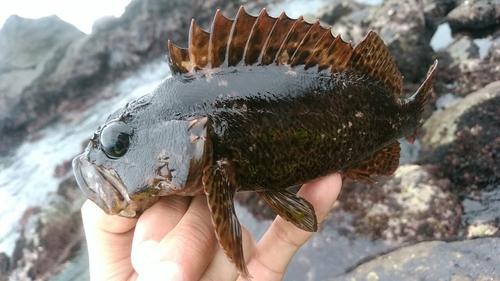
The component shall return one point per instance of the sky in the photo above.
(79, 13)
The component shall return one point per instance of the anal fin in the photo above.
(220, 197)
(383, 163)
(291, 208)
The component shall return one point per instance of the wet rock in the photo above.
(476, 17)
(51, 237)
(462, 260)
(335, 10)
(462, 49)
(62, 169)
(462, 144)
(493, 54)
(481, 230)
(462, 140)
(461, 71)
(4, 266)
(412, 205)
(30, 50)
(436, 10)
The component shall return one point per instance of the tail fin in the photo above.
(421, 96)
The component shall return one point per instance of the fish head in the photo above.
(131, 161)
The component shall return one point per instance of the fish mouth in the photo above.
(104, 187)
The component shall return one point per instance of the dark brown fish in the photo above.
(259, 104)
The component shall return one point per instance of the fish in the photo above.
(257, 104)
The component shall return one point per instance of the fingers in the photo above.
(109, 240)
(278, 245)
(181, 244)
(153, 226)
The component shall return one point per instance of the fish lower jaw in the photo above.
(103, 187)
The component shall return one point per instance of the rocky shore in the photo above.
(435, 218)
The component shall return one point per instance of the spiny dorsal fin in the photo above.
(263, 40)
(258, 37)
(303, 51)
(198, 47)
(239, 37)
(219, 37)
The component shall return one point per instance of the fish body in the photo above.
(258, 104)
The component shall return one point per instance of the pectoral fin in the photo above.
(292, 208)
(220, 194)
(383, 163)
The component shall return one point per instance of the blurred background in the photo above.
(65, 66)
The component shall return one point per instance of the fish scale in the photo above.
(256, 104)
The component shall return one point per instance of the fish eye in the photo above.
(115, 139)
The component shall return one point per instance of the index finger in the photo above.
(109, 243)
(284, 238)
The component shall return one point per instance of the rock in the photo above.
(30, 50)
(4, 266)
(436, 10)
(481, 230)
(476, 17)
(493, 54)
(462, 260)
(461, 145)
(461, 71)
(443, 127)
(461, 50)
(51, 237)
(335, 10)
(409, 206)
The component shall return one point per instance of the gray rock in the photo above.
(461, 71)
(493, 54)
(462, 49)
(462, 260)
(51, 237)
(436, 10)
(409, 206)
(461, 145)
(474, 16)
(335, 10)
(441, 128)
(29, 52)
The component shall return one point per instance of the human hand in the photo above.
(175, 240)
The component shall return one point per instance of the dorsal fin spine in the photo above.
(220, 28)
(269, 36)
(209, 56)
(238, 38)
(318, 48)
(276, 39)
(263, 16)
(198, 46)
(304, 47)
(284, 44)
